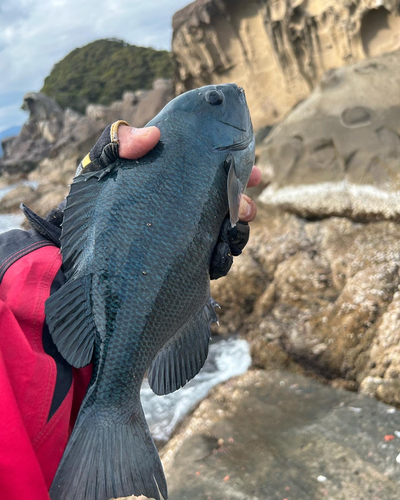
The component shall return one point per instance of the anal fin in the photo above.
(184, 355)
(69, 318)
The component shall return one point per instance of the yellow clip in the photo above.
(86, 161)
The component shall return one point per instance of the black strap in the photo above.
(64, 369)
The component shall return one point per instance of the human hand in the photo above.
(247, 207)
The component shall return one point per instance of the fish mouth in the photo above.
(237, 146)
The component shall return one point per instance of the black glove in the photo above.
(104, 152)
(231, 242)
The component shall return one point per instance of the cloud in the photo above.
(35, 35)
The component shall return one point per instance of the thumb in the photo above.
(136, 142)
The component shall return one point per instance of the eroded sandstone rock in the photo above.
(136, 108)
(338, 152)
(53, 142)
(319, 297)
(278, 49)
(53, 133)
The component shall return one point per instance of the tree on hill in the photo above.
(102, 70)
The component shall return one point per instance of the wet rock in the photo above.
(338, 152)
(278, 50)
(276, 435)
(319, 297)
(60, 170)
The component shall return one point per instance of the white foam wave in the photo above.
(227, 359)
(335, 197)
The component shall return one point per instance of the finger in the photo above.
(255, 177)
(136, 142)
(247, 209)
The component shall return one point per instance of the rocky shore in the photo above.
(277, 435)
(273, 435)
(316, 292)
(52, 142)
(321, 274)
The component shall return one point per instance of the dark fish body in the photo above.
(137, 242)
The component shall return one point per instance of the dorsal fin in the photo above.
(42, 226)
(69, 310)
(81, 203)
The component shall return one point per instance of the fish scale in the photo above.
(137, 241)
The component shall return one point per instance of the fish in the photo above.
(137, 240)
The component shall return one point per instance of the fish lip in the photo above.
(238, 146)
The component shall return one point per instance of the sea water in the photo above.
(227, 358)
(13, 221)
(10, 221)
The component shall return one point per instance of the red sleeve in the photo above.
(31, 443)
(20, 472)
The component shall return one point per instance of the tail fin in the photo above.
(109, 461)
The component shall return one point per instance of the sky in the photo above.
(36, 34)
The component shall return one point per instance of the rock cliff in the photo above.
(278, 49)
(319, 280)
(338, 152)
(52, 143)
(50, 131)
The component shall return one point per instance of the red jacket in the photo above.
(40, 394)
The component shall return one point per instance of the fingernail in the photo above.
(142, 132)
(244, 208)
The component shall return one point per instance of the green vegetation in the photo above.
(101, 71)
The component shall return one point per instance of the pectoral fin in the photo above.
(70, 321)
(183, 357)
(235, 190)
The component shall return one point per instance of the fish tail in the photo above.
(105, 460)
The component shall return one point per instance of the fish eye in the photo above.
(215, 97)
